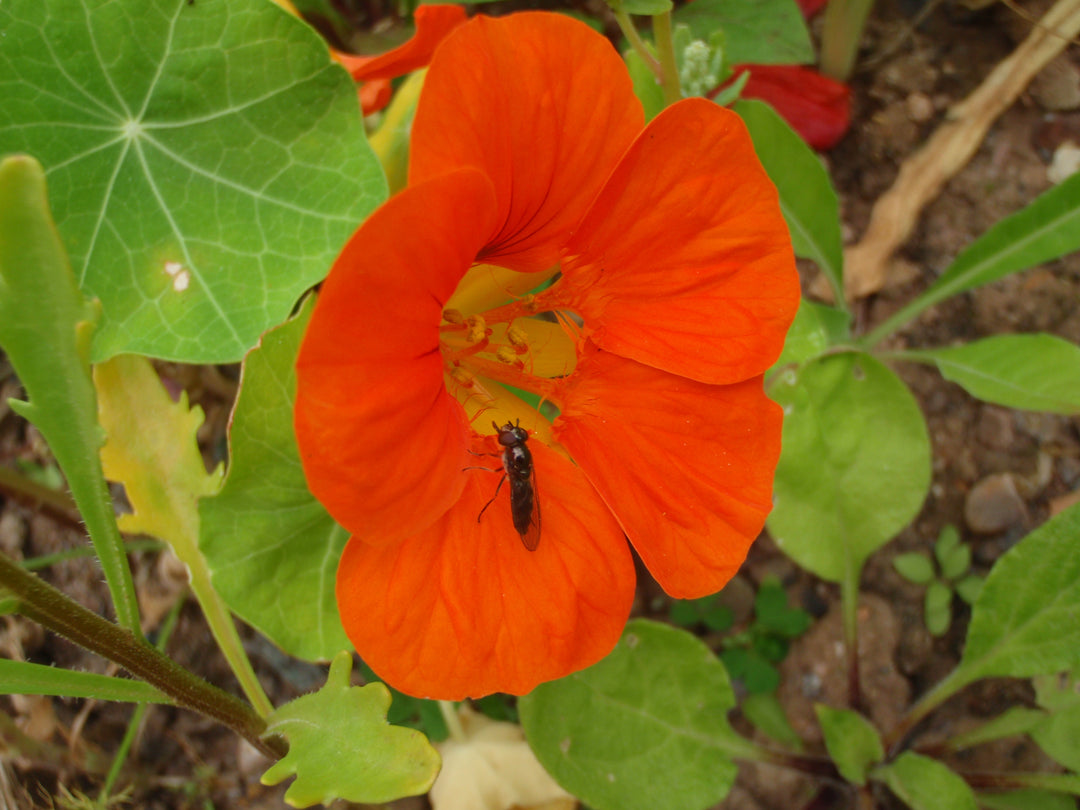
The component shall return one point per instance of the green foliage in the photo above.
(764, 711)
(341, 746)
(764, 32)
(271, 547)
(1031, 372)
(807, 198)
(926, 784)
(816, 327)
(852, 741)
(855, 463)
(406, 710)
(1026, 800)
(953, 561)
(45, 330)
(642, 7)
(25, 678)
(751, 654)
(1025, 621)
(645, 728)
(207, 161)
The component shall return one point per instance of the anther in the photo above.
(453, 316)
(477, 328)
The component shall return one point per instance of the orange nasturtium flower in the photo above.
(374, 73)
(673, 284)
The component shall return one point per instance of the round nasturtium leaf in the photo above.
(854, 466)
(206, 161)
(644, 729)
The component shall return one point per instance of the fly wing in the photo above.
(531, 536)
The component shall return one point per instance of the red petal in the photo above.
(684, 260)
(811, 7)
(433, 24)
(544, 106)
(381, 440)
(686, 467)
(817, 107)
(463, 609)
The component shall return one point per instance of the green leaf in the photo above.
(937, 608)
(1010, 723)
(764, 32)
(816, 328)
(1025, 621)
(1026, 800)
(1057, 736)
(644, 729)
(773, 613)
(24, 678)
(1030, 372)
(272, 548)
(1046, 229)
(644, 7)
(926, 784)
(954, 562)
(807, 198)
(752, 669)
(406, 710)
(969, 588)
(855, 463)
(646, 87)
(207, 161)
(914, 567)
(767, 715)
(45, 330)
(947, 541)
(852, 741)
(341, 747)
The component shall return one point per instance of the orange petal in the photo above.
(544, 105)
(684, 261)
(381, 440)
(686, 467)
(375, 95)
(463, 609)
(433, 24)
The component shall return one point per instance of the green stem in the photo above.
(53, 610)
(224, 631)
(739, 747)
(899, 318)
(626, 25)
(665, 47)
(849, 604)
(140, 711)
(844, 24)
(953, 683)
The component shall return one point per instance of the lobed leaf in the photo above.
(1031, 372)
(807, 198)
(341, 747)
(207, 161)
(854, 466)
(644, 728)
(45, 330)
(271, 547)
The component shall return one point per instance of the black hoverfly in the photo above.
(518, 468)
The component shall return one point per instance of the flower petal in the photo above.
(544, 105)
(381, 440)
(686, 467)
(463, 609)
(433, 24)
(815, 106)
(684, 260)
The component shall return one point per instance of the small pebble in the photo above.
(920, 108)
(994, 504)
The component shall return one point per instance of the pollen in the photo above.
(453, 316)
(477, 328)
(508, 355)
(518, 338)
(462, 377)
